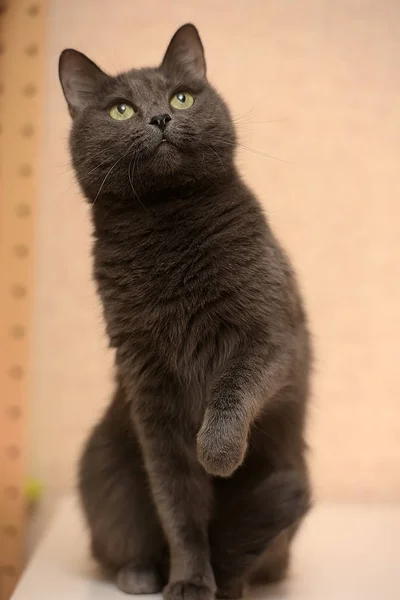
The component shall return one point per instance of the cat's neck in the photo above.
(162, 203)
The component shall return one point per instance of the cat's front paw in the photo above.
(221, 444)
(188, 590)
(132, 580)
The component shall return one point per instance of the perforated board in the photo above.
(21, 52)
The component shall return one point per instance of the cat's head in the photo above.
(147, 128)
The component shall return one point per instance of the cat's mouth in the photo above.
(165, 142)
(165, 139)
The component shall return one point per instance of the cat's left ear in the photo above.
(185, 54)
(80, 79)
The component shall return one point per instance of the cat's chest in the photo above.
(157, 282)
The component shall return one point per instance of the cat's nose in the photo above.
(160, 121)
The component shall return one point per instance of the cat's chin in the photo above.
(167, 158)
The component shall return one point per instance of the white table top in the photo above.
(344, 552)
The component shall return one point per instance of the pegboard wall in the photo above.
(21, 51)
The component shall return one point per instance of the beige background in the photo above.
(316, 83)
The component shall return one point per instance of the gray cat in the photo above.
(195, 479)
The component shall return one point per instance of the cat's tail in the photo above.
(245, 527)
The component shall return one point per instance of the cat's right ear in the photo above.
(80, 79)
(185, 54)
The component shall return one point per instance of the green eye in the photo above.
(122, 112)
(181, 100)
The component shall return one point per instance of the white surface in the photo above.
(342, 553)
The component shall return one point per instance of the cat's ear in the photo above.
(80, 79)
(185, 54)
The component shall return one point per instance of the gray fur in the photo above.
(195, 479)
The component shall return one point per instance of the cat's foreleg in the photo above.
(181, 491)
(244, 388)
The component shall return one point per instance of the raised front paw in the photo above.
(187, 590)
(221, 444)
